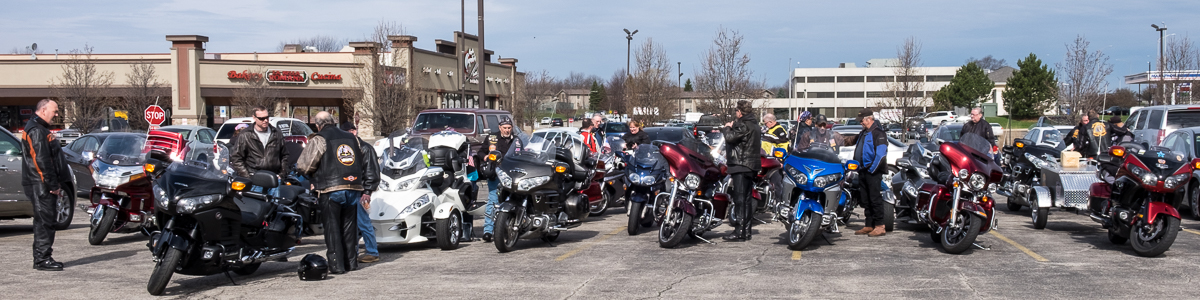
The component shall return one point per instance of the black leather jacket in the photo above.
(635, 139)
(744, 142)
(249, 155)
(43, 166)
(370, 167)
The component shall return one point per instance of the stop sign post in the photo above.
(155, 115)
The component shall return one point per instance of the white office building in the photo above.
(842, 91)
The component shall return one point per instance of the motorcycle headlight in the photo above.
(160, 196)
(823, 181)
(406, 185)
(529, 183)
(1144, 175)
(962, 174)
(1041, 163)
(691, 182)
(190, 204)
(800, 178)
(421, 201)
(504, 179)
(634, 178)
(385, 186)
(1174, 180)
(648, 180)
(910, 189)
(977, 182)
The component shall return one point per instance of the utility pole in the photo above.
(628, 44)
(1160, 30)
(481, 62)
(458, 49)
(679, 81)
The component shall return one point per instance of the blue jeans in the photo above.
(489, 218)
(366, 230)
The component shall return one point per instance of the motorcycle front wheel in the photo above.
(635, 217)
(957, 239)
(100, 230)
(802, 232)
(163, 271)
(506, 232)
(676, 225)
(449, 230)
(1150, 240)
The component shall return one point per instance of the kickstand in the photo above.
(230, 277)
(827, 240)
(981, 247)
(760, 221)
(705, 240)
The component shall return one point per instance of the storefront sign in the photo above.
(326, 76)
(26, 112)
(286, 76)
(244, 75)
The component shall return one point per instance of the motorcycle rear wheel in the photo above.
(449, 230)
(163, 271)
(958, 240)
(802, 232)
(674, 228)
(1158, 240)
(635, 217)
(506, 233)
(1039, 215)
(99, 231)
(1013, 205)
(889, 216)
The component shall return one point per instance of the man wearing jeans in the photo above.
(495, 142)
(370, 183)
(333, 160)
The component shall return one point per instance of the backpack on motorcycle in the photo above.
(313, 267)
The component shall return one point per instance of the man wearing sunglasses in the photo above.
(259, 147)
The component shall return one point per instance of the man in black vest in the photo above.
(334, 162)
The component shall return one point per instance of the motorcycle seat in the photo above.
(254, 211)
(288, 194)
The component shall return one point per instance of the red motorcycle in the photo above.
(121, 200)
(696, 204)
(1136, 194)
(958, 208)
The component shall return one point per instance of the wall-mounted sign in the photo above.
(471, 66)
(286, 76)
(26, 111)
(244, 75)
(326, 76)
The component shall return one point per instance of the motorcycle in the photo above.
(214, 224)
(542, 178)
(416, 202)
(1136, 196)
(698, 203)
(121, 200)
(815, 196)
(648, 178)
(913, 173)
(611, 187)
(958, 207)
(1026, 168)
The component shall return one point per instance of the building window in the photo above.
(689, 101)
(910, 78)
(799, 94)
(798, 79)
(939, 78)
(821, 79)
(874, 94)
(880, 78)
(820, 94)
(850, 79)
(850, 94)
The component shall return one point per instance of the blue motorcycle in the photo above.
(812, 186)
(647, 173)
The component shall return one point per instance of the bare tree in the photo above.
(383, 93)
(905, 93)
(321, 43)
(651, 91)
(26, 50)
(83, 91)
(724, 76)
(144, 89)
(253, 91)
(538, 89)
(576, 80)
(614, 92)
(1084, 71)
(989, 63)
(1180, 54)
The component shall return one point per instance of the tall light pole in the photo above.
(1160, 58)
(481, 59)
(628, 44)
(679, 81)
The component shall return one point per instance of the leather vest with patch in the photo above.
(342, 164)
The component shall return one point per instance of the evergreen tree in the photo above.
(969, 86)
(596, 99)
(1031, 90)
(687, 86)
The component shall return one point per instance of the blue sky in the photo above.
(585, 36)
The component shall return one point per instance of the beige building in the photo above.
(202, 84)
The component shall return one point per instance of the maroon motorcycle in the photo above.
(1136, 194)
(121, 200)
(696, 204)
(958, 208)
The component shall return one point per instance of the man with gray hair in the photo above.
(978, 125)
(774, 136)
(333, 160)
(43, 173)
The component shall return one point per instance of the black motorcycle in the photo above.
(913, 172)
(214, 224)
(541, 178)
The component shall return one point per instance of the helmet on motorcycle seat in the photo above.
(313, 267)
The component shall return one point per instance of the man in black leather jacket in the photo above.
(744, 141)
(333, 160)
(370, 183)
(43, 174)
(259, 147)
(500, 142)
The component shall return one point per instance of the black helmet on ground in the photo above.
(313, 267)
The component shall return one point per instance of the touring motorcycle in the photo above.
(542, 178)
(214, 223)
(648, 179)
(121, 200)
(1136, 197)
(815, 195)
(698, 203)
(959, 206)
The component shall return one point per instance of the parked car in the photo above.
(997, 130)
(66, 136)
(79, 155)
(293, 129)
(475, 123)
(613, 131)
(1152, 124)
(1184, 141)
(13, 203)
(895, 130)
(546, 121)
(896, 149)
(942, 117)
(557, 122)
(197, 137)
(1115, 110)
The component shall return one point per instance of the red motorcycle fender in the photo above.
(978, 210)
(594, 192)
(721, 205)
(686, 206)
(1156, 208)
(1101, 190)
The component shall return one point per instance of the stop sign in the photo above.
(155, 115)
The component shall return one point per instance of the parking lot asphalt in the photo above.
(1071, 258)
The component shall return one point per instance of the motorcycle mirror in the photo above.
(779, 152)
(433, 172)
(939, 141)
(903, 162)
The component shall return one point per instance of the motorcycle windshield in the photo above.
(203, 175)
(715, 140)
(123, 150)
(976, 142)
(821, 147)
(397, 162)
(648, 157)
(541, 147)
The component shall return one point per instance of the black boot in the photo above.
(736, 223)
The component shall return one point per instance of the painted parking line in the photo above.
(1035, 256)
(1193, 231)
(589, 244)
(795, 255)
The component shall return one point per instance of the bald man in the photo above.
(333, 160)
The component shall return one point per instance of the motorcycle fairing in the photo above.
(1155, 208)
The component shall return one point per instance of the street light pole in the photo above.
(628, 44)
(679, 81)
(1160, 59)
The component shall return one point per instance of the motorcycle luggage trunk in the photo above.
(281, 232)
(935, 198)
(720, 205)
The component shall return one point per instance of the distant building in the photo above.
(841, 92)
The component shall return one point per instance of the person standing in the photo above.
(1116, 132)
(979, 126)
(333, 160)
(635, 136)
(775, 136)
(871, 151)
(589, 136)
(1085, 136)
(370, 183)
(495, 142)
(804, 124)
(43, 172)
(259, 147)
(743, 141)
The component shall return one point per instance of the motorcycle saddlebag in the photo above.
(577, 206)
(1099, 192)
(282, 230)
(720, 205)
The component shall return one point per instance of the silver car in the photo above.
(13, 202)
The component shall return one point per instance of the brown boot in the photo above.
(879, 231)
(864, 230)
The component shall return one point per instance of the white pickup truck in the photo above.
(942, 117)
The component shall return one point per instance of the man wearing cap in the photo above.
(370, 183)
(743, 141)
(870, 151)
(499, 141)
